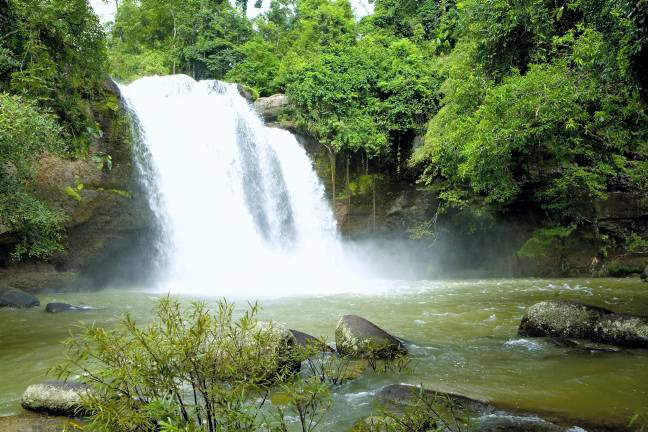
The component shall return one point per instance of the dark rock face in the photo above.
(15, 298)
(55, 397)
(563, 319)
(245, 92)
(64, 307)
(109, 228)
(356, 337)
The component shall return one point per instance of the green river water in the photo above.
(463, 334)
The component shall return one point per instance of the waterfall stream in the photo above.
(240, 207)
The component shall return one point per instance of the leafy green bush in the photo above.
(192, 370)
(25, 133)
(54, 52)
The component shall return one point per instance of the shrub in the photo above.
(191, 370)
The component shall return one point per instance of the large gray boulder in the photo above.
(271, 107)
(358, 338)
(15, 298)
(564, 319)
(56, 398)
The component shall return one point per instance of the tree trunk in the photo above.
(373, 192)
(333, 175)
(348, 189)
(175, 32)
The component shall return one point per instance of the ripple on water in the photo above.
(524, 343)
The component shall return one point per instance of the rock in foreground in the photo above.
(15, 298)
(55, 397)
(564, 319)
(34, 422)
(356, 337)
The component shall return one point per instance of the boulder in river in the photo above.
(565, 319)
(55, 397)
(305, 339)
(15, 298)
(65, 307)
(280, 340)
(356, 337)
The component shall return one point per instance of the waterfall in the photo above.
(240, 207)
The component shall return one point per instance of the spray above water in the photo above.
(240, 207)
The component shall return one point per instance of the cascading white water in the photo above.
(240, 208)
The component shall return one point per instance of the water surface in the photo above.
(464, 336)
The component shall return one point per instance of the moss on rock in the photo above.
(563, 319)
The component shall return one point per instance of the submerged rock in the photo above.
(580, 346)
(359, 338)
(271, 107)
(406, 394)
(65, 307)
(15, 298)
(508, 423)
(34, 422)
(476, 415)
(55, 397)
(564, 319)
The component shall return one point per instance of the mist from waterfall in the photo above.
(240, 208)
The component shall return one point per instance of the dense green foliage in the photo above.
(541, 108)
(52, 65)
(25, 133)
(197, 37)
(532, 104)
(529, 104)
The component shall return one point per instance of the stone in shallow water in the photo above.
(509, 423)
(65, 307)
(305, 339)
(481, 416)
(15, 298)
(357, 337)
(55, 397)
(34, 422)
(564, 319)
